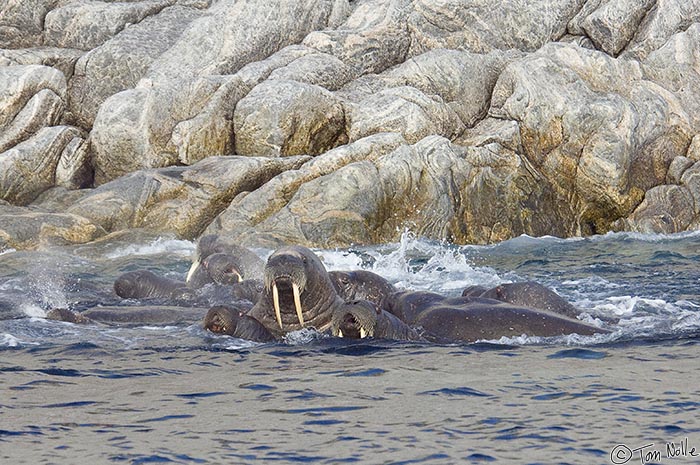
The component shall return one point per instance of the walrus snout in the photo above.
(223, 268)
(285, 273)
(221, 320)
(355, 319)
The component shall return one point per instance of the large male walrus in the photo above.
(297, 293)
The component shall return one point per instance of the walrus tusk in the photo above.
(238, 276)
(340, 333)
(363, 333)
(193, 268)
(297, 303)
(276, 304)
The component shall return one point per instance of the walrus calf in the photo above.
(224, 319)
(361, 318)
(297, 293)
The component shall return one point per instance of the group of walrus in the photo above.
(263, 301)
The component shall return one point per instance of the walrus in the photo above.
(224, 319)
(161, 315)
(359, 319)
(468, 319)
(144, 284)
(361, 285)
(297, 293)
(529, 294)
(248, 289)
(474, 321)
(242, 261)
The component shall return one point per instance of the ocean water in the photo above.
(176, 394)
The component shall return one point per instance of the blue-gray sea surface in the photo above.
(74, 394)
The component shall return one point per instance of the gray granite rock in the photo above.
(676, 67)
(29, 168)
(24, 228)
(482, 26)
(593, 126)
(279, 118)
(181, 200)
(123, 60)
(31, 97)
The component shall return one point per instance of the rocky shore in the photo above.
(334, 122)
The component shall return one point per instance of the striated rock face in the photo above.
(331, 122)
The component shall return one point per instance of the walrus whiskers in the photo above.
(297, 303)
(276, 304)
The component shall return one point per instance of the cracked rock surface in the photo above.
(336, 122)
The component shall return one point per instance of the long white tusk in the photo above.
(363, 333)
(193, 268)
(238, 275)
(340, 333)
(297, 303)
(276, 304)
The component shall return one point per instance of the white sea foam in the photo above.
(416, 264)
(33, 310)
(8, 340)
(158, 246)
(301, 337)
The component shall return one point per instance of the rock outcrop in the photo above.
(331, 122)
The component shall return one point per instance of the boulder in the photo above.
(663, 20)
(122, 61)
(87, 24)
(180, 200)
(134, 128)
(372, 38)
(676, 67)
(611, 24)
(404, 110)
(594, 127)
(246, 212)
(666, 209)
(63, 59)
(481, 26)
(21, 22)
(31, 97)
(29, 168)
(29, 228)
(280, 118)
(319, 69)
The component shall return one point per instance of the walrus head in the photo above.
(285, 276)
(222, 320)
(223, 268)
(297, 292)
(245, 262)
(355, 319)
